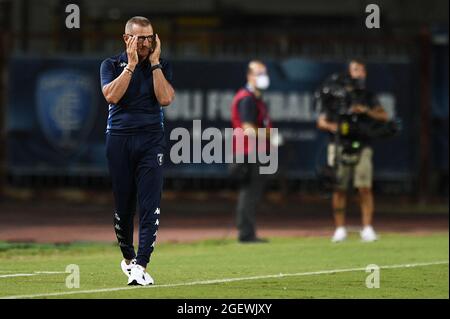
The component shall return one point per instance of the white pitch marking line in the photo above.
(36, 273)
(16, 275)
(225, 280)
(49, 272)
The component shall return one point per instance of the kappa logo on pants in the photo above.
(160, 158)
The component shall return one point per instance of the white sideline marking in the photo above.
(33, 274)
(49, 272)
(16, 275)
(225, 280)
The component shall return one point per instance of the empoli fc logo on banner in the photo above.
(65, 107)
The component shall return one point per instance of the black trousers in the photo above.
(251, 190)
(135, 166)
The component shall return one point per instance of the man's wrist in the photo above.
(131, 66)
(154, 62)
(156, 66)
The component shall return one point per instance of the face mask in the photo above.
(262, 82)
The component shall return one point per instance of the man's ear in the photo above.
(125, 38)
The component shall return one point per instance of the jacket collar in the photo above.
(123, 57)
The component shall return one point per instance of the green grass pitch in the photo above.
(182, 270)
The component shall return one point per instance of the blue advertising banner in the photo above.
(56, 115)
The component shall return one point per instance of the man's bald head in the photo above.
(139, 21)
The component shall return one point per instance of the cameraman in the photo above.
(365, 107)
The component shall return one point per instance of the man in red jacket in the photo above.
(249, 112)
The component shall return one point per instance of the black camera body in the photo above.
(337, 95)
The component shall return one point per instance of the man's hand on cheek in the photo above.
(155, 55)
(133, 58)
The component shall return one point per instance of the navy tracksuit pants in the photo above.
(135, 166)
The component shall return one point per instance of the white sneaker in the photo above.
(340, 234)
(139, 276)
(127, 268)
(368, 234)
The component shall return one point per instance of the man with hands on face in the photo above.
(136, 84)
